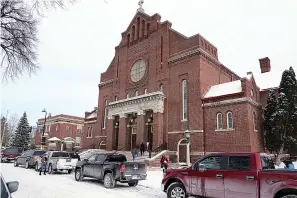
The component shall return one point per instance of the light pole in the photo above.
(188, 136)
(43, 138)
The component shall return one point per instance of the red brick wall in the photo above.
(89, 141)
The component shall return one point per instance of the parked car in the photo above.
(8, 188)
(248, 175)
(111, 168)
(74, 159)
(29, 158)
(10, 154)
(57, 161)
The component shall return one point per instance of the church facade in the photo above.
(161, 84)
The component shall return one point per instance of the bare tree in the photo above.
(19, 20)
(8, 127)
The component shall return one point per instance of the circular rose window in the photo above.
(138, 70)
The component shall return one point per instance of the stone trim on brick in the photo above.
(232, 101)
(106, 82)
(182, 132)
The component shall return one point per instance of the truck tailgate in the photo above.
(135, 168)
(64, 162)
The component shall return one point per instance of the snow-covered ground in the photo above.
(59, 185)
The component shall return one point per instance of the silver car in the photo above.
(8, 188)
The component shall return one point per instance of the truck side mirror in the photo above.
(202, 167)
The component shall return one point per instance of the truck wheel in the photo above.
(289, 196)
(27, 165)
(16, 163)
(50, 169)
(78, 175)
(135, 183)
(109, 181)
(176, 190)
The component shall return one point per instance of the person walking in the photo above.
(147, 146)
(76, 155)
(137, 149)
(142, 148)
(164, 163)
(133, 154)
(43, 165)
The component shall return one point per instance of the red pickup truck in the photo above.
(231, 175)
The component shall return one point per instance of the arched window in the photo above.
(128, 40)
(142, 28)
(136, 93)
(138, 27)
(229, 120)
(185, 100)
(105, 114)
(133, 33)
(128, 95)
(161, 88)
(219, 121)
(255, 121)
(145, 91)
(115, 98)
(148, 29)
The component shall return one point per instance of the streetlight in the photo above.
(43, 138)
(188, 136)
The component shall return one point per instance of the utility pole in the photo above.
(43, 137)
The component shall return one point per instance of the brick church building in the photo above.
(161, 84)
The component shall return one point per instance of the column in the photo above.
(123, 132)
(140, 126)
(158, 129)
(110, 133)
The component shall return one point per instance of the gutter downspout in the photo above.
(204, 128)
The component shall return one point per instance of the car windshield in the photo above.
(38, 153)
(11, 150)
(60, 154)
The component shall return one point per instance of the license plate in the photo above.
(135, 177)
(68, 160)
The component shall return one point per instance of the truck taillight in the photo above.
(122, 168)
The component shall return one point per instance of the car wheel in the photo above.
(176, 190)
(289, 196)
(78, 175)
(109, 181)
(135, 183)
(69, 171)
(50, 169)
(27, 165)
(36, 166)
(16, 163)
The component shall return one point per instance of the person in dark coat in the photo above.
(43, 165)
(76, 156)
(142, 148)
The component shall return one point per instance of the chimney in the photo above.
(265, 65)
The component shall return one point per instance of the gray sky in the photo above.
(78, 44)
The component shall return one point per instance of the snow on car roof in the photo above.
(224, 89)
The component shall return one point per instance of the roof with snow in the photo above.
(224, 89)
(266, 80)
(93, 115)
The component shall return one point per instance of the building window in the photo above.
(252, 93)
(57, 127)
(68, 130)
(219, 121)
(136, 93)
(90, 131)
(255, 121)
(229, 120)
(105, 114)
(184, 99)
(128, 95)
(115, 98)
(145, 91)
(161, 88)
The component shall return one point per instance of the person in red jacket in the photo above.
(164, 163)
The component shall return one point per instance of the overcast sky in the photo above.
(77, 44)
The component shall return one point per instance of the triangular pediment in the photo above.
(134, 20)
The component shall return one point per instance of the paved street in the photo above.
(63, 185)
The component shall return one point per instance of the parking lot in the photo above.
(62, 185)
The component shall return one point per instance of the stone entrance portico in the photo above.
(135, 120)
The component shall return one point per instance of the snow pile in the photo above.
(224, 89)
